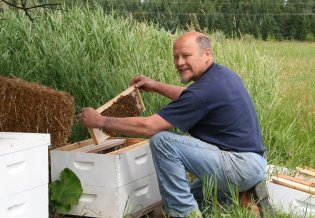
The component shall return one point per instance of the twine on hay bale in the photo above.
(30, 107)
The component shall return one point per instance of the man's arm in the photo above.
(131, 126)
(170, 91)
(144, 83)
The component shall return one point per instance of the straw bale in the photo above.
(30, 107)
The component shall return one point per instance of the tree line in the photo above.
(264, 19)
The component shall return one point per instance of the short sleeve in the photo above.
(184, 112)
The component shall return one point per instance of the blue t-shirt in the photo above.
(217, 109)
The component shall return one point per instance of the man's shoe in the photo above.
(261, 196)
(246, 200)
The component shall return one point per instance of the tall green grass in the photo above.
(93, 56)
(88, 54)
(291, 132)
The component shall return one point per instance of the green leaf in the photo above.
(65, 192)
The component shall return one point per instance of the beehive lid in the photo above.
(127, 104)
(13, 141)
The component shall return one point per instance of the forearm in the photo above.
(131, 126)
(170, 91)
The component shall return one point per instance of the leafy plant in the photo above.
(65, 192)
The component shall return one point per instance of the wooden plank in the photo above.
(76, 145)
(310, 169)
(129, 147)
(98, 148)
(305, 171)
(98, 135)
(89, 142)
(291, 184)
(93, 148)
(132, 141)
(139, 100)
(304, 177)
(298, 180)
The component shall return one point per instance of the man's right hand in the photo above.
(144, 83)
(91, 118)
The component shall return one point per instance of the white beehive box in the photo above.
(291, 201)
(116, 183)
(24, 174)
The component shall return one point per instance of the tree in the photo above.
(26, 6)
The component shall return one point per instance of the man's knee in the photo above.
(159, 138)
(163, 142)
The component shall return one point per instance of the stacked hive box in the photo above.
(24, 175)
(115, 182)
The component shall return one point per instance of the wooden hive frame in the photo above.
(99, 136)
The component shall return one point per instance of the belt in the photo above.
(261, 153)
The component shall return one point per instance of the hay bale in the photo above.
(30, 107)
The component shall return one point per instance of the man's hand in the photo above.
(144, 83)
(91, 118)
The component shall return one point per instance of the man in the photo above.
(225, 143)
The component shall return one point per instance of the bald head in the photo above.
(200, 39)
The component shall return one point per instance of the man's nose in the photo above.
(180, 61)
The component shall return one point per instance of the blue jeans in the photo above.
(174, 153)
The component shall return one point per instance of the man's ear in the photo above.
(208, 54)
(209, 57)
(208, 51)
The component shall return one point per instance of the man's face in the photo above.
(190, 61)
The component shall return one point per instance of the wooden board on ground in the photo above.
(304, 180)
(127, 104)
(310, 169)
(298, 180)
(307, 174)
(292, 184)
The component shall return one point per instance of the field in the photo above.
(295, 111)
(93, 57)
